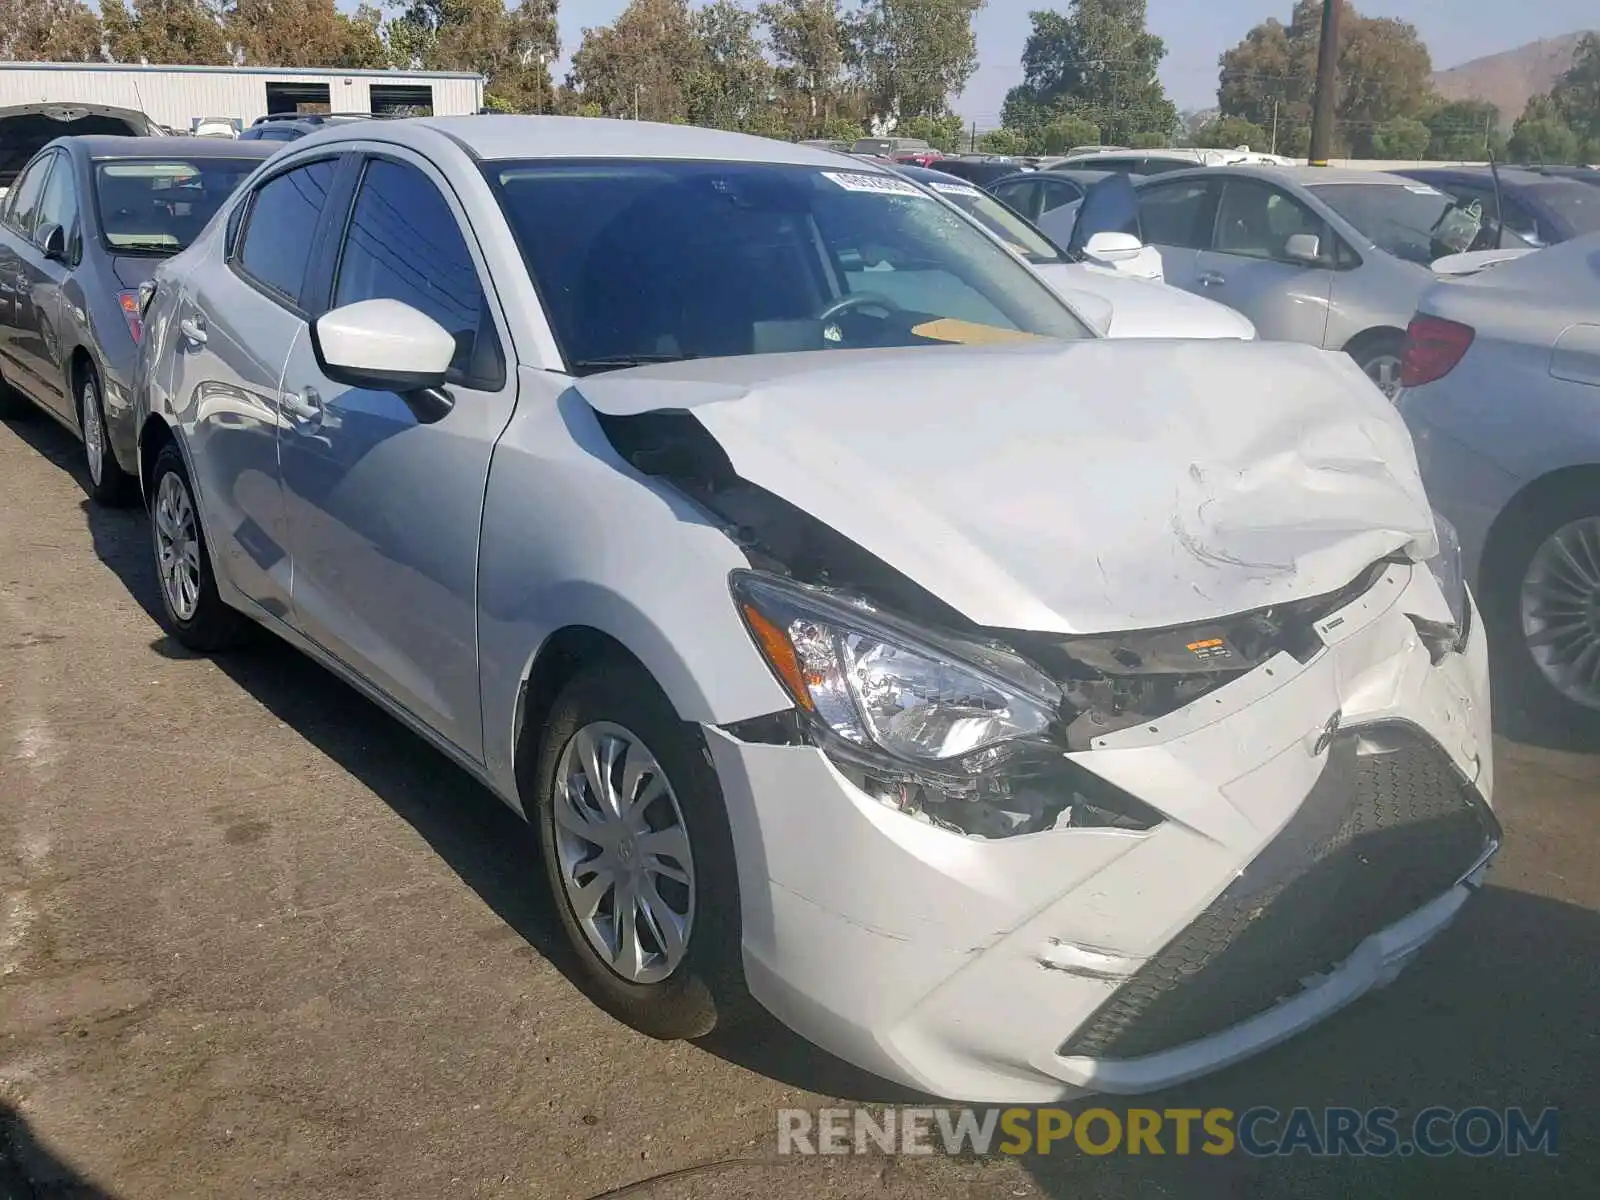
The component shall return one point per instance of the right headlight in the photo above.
(875, 683)
(957, 733)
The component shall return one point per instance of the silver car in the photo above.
(1503, 383)
(1334, 258)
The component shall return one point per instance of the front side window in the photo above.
(1257, 220)
(645, 261)
(25, 194)
(405, 244)
(1575, 205)
(1021, 195)
(275, 248)
(59, 206)
(1177, 214)
(157, 206)
(1058, 192)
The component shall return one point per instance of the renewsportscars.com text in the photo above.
(1257, 1132)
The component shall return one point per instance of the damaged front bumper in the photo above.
(1319, 821)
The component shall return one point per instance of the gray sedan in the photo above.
(1335, 258)
(1502, 377)
(84, 225)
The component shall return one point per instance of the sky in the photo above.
(1197, 31)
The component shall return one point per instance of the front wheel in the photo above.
(195, 613)
(109, 485)
(638, 855)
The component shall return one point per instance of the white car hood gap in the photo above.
(1085, 487)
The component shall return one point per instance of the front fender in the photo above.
(573, 536)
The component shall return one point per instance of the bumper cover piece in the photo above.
(1390, 826)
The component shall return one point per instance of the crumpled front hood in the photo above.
(1089, 487)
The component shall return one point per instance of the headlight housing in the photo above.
(1445, 566)
(959, 733)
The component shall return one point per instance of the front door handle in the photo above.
(1212, 279)
(193, 329)
(305, 407)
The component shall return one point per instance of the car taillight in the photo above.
(1433, 348)
(129, 301)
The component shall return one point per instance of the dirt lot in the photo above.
(255, 939)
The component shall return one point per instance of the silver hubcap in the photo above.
(1561, 610)
(1385, 372)
(177, 547)
(623, 852)
(94, 434)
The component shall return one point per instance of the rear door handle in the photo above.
(194, 329)
(1212, 279)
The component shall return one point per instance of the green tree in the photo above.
(1007, 142)
(165, 31)
(1097, 62)
(1064, 133)
(1464, 131)
(1576, 94)
(1270, 76)
(1401, 138)
(942, 133)
(731, 83)
(1542, 136)
(641, 65)
(304, 33)
(910, 57)
(1150, 141)
(1226, 133)
(809, 44)
(512, 48)
(48, 31)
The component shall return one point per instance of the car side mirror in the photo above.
(52, 240)
(1304, 248)
(1126, 255)
(387, 346)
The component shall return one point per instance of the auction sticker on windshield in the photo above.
(882, 184)
(956, 189)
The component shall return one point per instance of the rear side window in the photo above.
(1177, 214)
(24, 197)
(276, 246)
(1020, 195)
(405, 244)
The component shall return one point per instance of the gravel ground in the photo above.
(255, 939)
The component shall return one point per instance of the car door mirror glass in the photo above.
(1303, 248)
(383, 345)
(53, 242)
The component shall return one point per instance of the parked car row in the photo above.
(1014, 711)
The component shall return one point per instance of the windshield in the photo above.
(1403, 220)
(1001, 221)
(647, 261)
(1576, 207)
(158, 206)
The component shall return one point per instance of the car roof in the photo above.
(501, 137)
(1301, 175)
(1512, 176)
(100, 146)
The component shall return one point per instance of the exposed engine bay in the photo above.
(1107, 681)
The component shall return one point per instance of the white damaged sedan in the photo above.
(1013, 712)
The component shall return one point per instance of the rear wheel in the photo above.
(1541, 602)
(638, 855)
(1380, 358)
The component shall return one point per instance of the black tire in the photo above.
(707, 988)
(1526, 703)
(115, 487)
(212, 626)
(1383, 348)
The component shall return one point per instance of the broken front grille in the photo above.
(1390, 826)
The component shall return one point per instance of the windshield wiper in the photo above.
(618, 362)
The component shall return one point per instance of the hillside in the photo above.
(1509, 78)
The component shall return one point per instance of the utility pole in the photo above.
(636, 102)
(1327, 100)
(1274, 149)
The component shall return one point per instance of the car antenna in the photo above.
(1499, 206)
